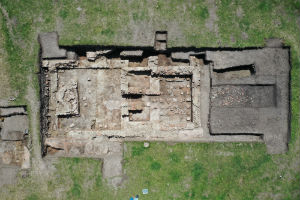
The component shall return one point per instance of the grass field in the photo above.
(169, 171)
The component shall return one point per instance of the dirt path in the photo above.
(211, 22)
(38, 165)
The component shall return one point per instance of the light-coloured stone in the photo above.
(91, 55)
(146, 144)
(67, 99)
(131, 53)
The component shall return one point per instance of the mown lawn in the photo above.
(169, 171)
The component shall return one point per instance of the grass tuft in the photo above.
(155, 166)
(197, 171)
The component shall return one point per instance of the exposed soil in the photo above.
(239, 12)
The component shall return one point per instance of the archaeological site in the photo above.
(14, 142)
(93, 98)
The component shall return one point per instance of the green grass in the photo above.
(201, 171)
(180, 171)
